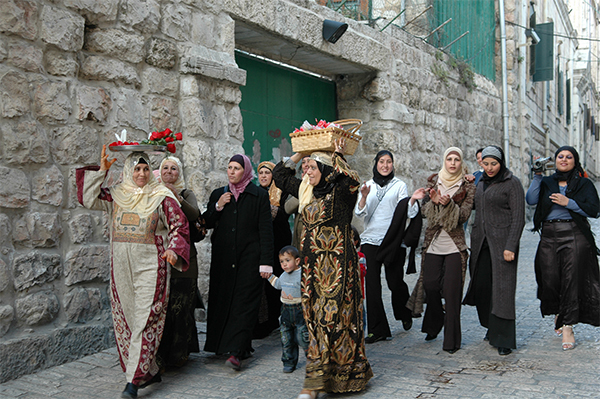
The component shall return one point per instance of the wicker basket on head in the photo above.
(322, 139)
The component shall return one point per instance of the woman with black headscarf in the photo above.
(566, 263)
(499, 221)
(376, 204)
(331, 293)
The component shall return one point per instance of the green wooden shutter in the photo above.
(544, 53)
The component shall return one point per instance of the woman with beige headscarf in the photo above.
(180, 337)
(148, 231)
(447, 203)
(270, 307)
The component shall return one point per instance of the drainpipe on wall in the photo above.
(545, 125)
(504, 83)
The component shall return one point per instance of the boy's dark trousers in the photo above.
(294, 333)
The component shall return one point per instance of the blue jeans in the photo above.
(294, 333)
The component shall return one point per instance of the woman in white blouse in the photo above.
(376, 204)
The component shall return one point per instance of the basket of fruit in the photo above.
(320, 137)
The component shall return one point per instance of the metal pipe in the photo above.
(389, 23)
(504, 83)
(438, 28)
(455, 40)
(415, 18)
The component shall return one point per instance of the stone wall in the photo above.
(75, 72)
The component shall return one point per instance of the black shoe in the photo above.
(372, 338)
(430, 337)
(155, 378)
(504, 351)
(451, 351)
(487, 336)
(407, 324)
(130, 391)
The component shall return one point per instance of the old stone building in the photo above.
(75, 72)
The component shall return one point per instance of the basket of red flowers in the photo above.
(320, 137)
(157, 141)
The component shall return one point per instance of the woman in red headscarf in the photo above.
(242, 248)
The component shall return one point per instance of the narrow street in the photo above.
(405, 366)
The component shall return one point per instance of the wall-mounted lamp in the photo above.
(535, 39)
(333, 30)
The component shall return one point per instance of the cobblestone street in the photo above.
(405, 367)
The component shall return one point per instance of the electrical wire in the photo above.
(558, 34)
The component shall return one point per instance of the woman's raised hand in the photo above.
(365, 190)
(224, 200)
(419, 194)
(105, 164)
(340, 145)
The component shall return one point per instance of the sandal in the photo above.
(567, 345)
(558, 331)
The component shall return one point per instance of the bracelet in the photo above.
(219, 209)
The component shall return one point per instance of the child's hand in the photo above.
(266, 275)
(286, 296)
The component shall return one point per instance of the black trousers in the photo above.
(502, 333)
(442, 278)
(377, 323)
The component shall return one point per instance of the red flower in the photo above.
(171, 148)
(160, 135)
(169, 139)
(178, 136)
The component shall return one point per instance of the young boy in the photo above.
(292, 326)
(362, 262)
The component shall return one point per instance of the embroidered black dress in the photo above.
(331, 296)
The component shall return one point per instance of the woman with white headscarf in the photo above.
(180, 337)
(331, 287)
(242, 249)
(447, 203)
(148, 231)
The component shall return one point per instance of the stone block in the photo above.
(75, 144)
(47, 186)
(25, 142)
(40, 230)
(164, 113)
(25, 56)
(93, 104)
(86, 264)
(38, 308)
(111, 70)
(194, 119)
(82, 228)
(161, 53)
(22, 356)
(5, 241)
(14, 190)
(35, 268)
(3, 50)
(117, 43)
(7, 314)
(82, 304)
(62, 28)
(379, 89)
(159, 81)
(59, 63)
(132, 109)
(176, 21)
(52, 101)
(68, 344)
(4, 275)
(392, 111)
(143, 15)
(14, 89)
(199, 60)
(95, 11)
(19, 17)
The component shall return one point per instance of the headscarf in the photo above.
(141, 200)
(493, 151)
(449, 179)
(179, 184)
(572, 176)
(306, 191)
(274, 191)
(378, 177)
(239, 187)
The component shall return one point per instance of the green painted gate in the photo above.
(275, 101)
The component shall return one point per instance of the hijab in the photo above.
(573, 175)
(274, 191)
(495, 152)
(179, 184)
(378, 177)
(449, 179)
(306, 191)
(141, 200)
(239, 187)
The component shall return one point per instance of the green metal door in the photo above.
(275, 101)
